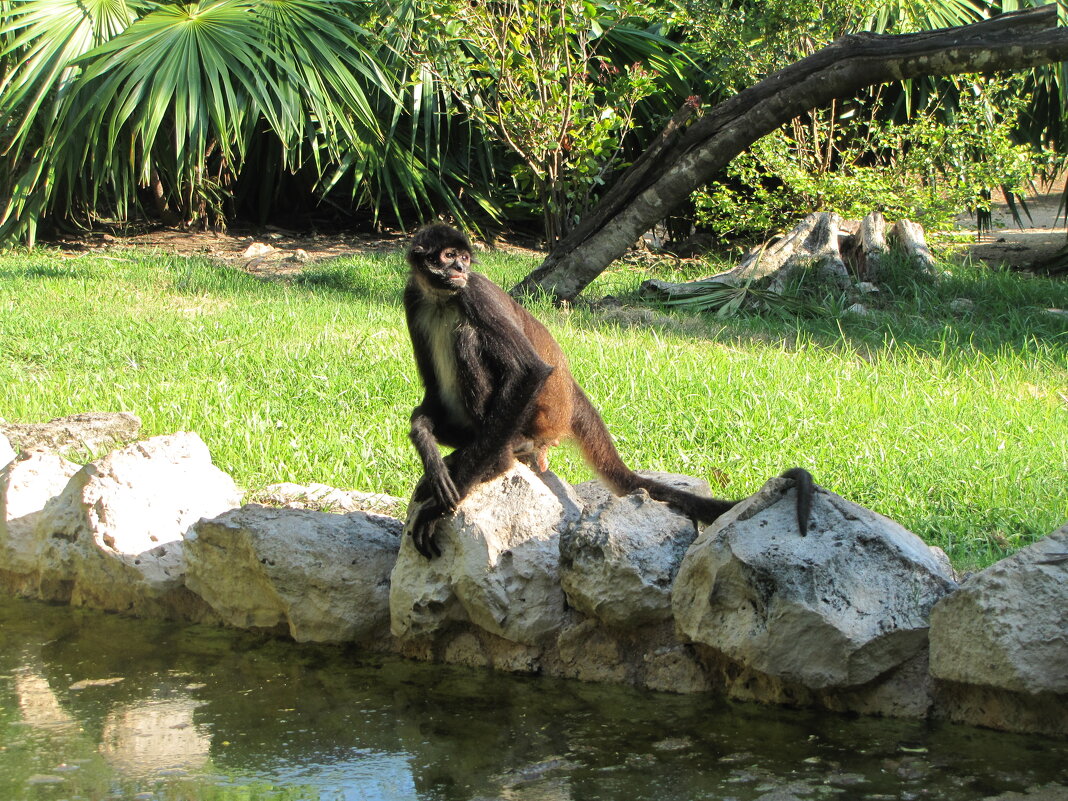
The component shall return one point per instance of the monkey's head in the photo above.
(442, 255)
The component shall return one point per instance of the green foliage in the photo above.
(199, 112)
(537, 75)
(171, 100)
(926, 150)
(744, 40)
(198, 107)
(928, 169)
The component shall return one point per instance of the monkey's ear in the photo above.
(421, 249)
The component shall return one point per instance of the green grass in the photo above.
(955, 425)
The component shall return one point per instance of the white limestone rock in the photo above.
(619, 563)
(589, 652)
(257, 250)
(499, 567)
(323, 577)
(324, 498)
(674, 669)
(113, 536)
(1007, 626)
(26, 485)
(837, 608)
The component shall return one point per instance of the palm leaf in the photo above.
(186, 81)
(726, 300)
(41, 39)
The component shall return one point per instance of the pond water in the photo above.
(96, 706)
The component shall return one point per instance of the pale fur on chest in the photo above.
(439, 323)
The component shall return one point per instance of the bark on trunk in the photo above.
(908, 236)
(688, 158)
(868, 250)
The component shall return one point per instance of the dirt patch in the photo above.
(272, 252)
(267, 253)
(1042, 234)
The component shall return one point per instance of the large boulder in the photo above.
(835, 609)
(26, 485)
(1007, 626)
(500, 563)
(87, 432)
(112, 539)
(619, 563)
(322, 577)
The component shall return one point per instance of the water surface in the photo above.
(96, 706)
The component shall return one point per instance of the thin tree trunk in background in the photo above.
(685, 159)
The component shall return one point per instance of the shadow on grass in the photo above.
(369, 278)
(984, 311)
(979, 311)
(40, 271)
(344, 279)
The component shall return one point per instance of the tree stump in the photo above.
(840, 255)
(868, 249)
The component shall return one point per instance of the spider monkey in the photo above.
(498, 387)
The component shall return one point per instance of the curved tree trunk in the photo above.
(685, 159)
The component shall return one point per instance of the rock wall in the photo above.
(540, 577)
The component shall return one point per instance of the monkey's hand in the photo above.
(443, 487)
(423, 527)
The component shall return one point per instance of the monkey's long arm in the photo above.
(436, 474)
(448, 481)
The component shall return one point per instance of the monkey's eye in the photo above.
(455, 255)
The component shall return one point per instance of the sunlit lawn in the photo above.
(954, 424)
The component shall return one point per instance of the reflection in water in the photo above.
(143, 739)
(96, 706)
(38, 704)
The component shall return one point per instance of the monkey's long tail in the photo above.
(601, 454)
(600, 451)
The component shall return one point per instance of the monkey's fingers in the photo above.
(446, 493)
(422, 531)
(423, 539)
(805, 487)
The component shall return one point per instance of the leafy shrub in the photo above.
(928, 169)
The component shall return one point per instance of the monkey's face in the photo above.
(440, 256)
(451, 267)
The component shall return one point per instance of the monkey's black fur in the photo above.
(497, 386)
